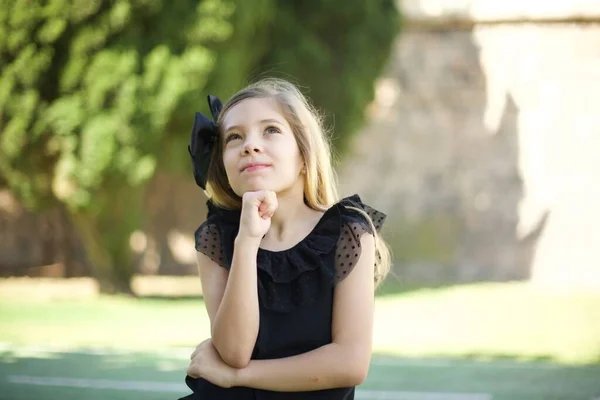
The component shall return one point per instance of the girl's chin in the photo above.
(254, 187)
(256, 184)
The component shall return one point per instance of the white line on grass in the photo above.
(147, 386)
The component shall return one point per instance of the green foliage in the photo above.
(335, 50)
(96, 95)
(95, 90)
(88, 88)
(237, 58)
(87, 92)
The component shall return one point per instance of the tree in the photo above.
(335, 49)
(87, 92)
(96, 95)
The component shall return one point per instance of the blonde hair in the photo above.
(320, 182)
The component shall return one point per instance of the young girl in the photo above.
(287, 271)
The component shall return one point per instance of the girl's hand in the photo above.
(207, 363)
(257, 209)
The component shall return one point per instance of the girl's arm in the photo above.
(232, 303)
(344, 362)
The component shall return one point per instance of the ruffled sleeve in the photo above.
(214, 238)
(208, 242)
(353, 225)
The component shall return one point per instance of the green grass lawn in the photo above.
(507, 341)
(484, 320)
(511, 320)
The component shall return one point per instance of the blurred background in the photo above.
(474, 124)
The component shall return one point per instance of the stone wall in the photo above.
(485, 138)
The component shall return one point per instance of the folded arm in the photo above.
(344, 362)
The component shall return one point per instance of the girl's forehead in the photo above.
(251, 111)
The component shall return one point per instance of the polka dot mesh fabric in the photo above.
(348, 248)
(377, 217)
(208, 242)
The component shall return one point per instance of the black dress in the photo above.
(295, 289)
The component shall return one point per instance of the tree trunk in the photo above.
(102, 262)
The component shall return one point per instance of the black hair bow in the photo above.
(205, 134)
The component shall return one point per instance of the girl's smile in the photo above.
(253, 167)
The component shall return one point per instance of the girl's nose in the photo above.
(252, 146)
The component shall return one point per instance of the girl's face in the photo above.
(260, 151)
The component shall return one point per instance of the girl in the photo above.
(287, 271)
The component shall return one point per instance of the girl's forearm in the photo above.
(236, 323)
(328, 367)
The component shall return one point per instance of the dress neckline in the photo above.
(325, 230)
(321, 238)
(312, 232)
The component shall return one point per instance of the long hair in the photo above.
(320, 181)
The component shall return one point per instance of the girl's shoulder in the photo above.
(331, 249)
(344, 222)
(354, 211)
(355, 219)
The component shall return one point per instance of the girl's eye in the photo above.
(231, 137)
(272, 129)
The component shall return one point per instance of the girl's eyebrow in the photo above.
(262, 121)
(231, 128)
(271, 120)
